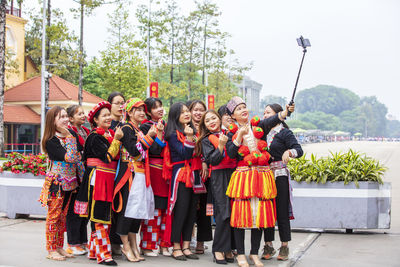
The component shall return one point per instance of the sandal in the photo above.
(255, 260)
(55, 256)
(180, 257)
(191, 255)
(62, 252)
(130, 256)
(243, 262)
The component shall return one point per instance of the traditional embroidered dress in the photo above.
(201, 187)
(152, 233)
(252, 185)
(222, 168)
(65, 167)
(76, 225)
(182, 200)
(279, 140)
(133, 195)
(95, 196)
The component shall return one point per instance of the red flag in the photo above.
(211, 101)
(154, 89)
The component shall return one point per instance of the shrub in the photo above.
(19, 163)
(348, 167)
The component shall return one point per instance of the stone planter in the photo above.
(339, 206)
(19, 194)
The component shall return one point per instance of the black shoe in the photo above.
(230, 260)
(109, 263)
(190, 256)
(219, 261)
(178, 258)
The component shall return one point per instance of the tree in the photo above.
(272, 99)
(86, 8)
(301, 124)
(323, 121)
(2, 69)
(64, 53)
(326, 98)
(121, 68)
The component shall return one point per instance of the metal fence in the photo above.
(24, 148)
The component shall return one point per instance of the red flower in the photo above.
(255, 121)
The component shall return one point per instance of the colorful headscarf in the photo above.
(132, 103)
(96, 108)
(233, 103)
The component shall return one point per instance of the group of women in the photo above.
(133, 172)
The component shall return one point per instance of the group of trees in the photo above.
(331, 108)
(188, 55)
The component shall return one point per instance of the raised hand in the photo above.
(118, 133)
(160, 126)
(223, 139)
(153, 131)
(188, 131)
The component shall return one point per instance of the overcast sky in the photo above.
(355, 43)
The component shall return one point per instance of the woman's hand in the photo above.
(160, 126)
(243, 130)
(188, 131)
(204, 171)
(223, 139)
(118, 133)
(286, 157)
(64, 131)
(153, 131)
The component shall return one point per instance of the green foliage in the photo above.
(121, 68)
(331, 108)
(272, 99)
(301, 124)
(347, 167)
(185, 48)
(321, 120)
(326, 98)
(64, 52)
(393, 128)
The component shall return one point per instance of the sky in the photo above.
(355, 43)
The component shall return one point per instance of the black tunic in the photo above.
(128, 141)
(96, 146)
(219, 179)
(283, 141)
(155, 152)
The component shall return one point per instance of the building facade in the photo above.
(250, 90)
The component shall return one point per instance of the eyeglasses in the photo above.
(119, 103)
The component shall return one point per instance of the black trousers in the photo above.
(223, 235)
(114, 237)
(204, 230)
(127, 225)
(256, 235)
(184, 214)
(76, 225)
(282, 210)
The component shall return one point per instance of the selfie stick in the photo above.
(303, 43)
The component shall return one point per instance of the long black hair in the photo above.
(114, 94)
(173, 123)
(151, 104)
(278, 108)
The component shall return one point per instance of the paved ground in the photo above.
(22, 240)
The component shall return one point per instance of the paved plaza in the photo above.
(22, 241)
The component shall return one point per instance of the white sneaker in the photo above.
(76, 251)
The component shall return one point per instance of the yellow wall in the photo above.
(30, 69)
(15, 42)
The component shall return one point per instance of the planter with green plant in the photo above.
(341, 191)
